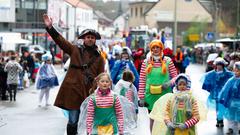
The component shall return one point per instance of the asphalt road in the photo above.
(24, 117)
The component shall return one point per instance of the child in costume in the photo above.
(46, 78)
(156, 76)
(104, 111)
(36, 68)
(213, 83)
(234, 57)
(124, 63)
(230, 98)
(181, 112)
(126, 88)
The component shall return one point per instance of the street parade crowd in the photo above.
(104, 86)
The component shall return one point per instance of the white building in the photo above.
(121, 23)
(72, 16)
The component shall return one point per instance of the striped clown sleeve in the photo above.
(195, 115)
(142, 81)
(90, 116)
(119, 114)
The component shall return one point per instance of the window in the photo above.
(41, 4)
(17, 4)
(131, 12)
(27, 4)
(87, 17)
(141, 11)
(136, 12)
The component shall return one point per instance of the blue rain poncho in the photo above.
(46, 77)
(118, 69)
(230, 98)
(213, 82)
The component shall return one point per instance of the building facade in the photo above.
(70, 17)
(137, 13)
(160, 14)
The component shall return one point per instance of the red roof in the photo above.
(79, 4)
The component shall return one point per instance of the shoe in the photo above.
(230, 131)
(48, 105)
(72, 129)
(39, 105)
(4, 98)
(239, 132)
(219, 123)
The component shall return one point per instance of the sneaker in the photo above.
(219, 123)
(230, 131)
(48, 105)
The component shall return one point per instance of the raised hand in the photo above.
(47, 20)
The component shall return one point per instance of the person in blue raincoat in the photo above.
(213, 83)
(124, 63)
(230, 98)
(46, 79)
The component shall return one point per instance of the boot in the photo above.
(4, 97)
(230, 131)
(71, 129)
(219, 123)
(14, 96)
(10, 96)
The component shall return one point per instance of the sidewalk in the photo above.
(24, 117)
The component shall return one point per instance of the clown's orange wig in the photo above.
(151, 61)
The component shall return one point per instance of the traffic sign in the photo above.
(210, 36)
(194, 37)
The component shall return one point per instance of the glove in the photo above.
(182, 126)
(166, 85)
(136, 110)
(188, 114)
(170, 125)
(141, 102)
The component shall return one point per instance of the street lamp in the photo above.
(175, 28)
(238, 18)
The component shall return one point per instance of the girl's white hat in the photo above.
(237, 65)
(220, 60)
(46, 57)
(185, 78)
